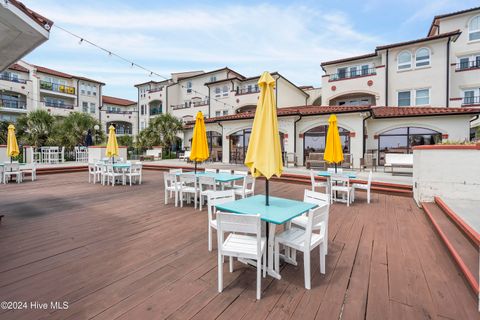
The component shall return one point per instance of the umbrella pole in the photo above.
(195, 166)
(267, 203)
(335, 167)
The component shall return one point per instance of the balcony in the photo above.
(470, 101)
(200, 103)
(119, 112)
(352, 74)
(12, 78)
(247, 91)
(155, 90)
(45, 85)
(462, 66)
(59, 105)
(181, 106)
(13, 104)
(155, 111)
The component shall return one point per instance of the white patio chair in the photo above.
(1, 174)
(240, 172)
(175, 170)
(363, 186)
(244, 241)
(172, 186)
(206, 185)
(32, 169)
(247, 188)
(332, 170)
(92, 172)
(305, 240)
(340, 184)
(188, 187)
(11, 169)
(320, 199)
(111, 174)
(216, 198)
(316, 183)
(134, 172)
(225, 184)
(211, 170)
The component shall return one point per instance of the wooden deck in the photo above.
(120, 253)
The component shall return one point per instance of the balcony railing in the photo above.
(119, 112)
(468, 101)
(58, 105)
(45, 85)
(155, 111)
(467, 65)
(13, 104)
(247, 90)
(200, 103)
(9, 77)
(181, 106)
(155, 90)
(353, 74)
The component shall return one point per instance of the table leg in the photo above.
(272, 270)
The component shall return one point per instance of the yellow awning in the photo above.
(112, 145)
(12, 145)
(199, 150)
(264, 153)
(333, 148)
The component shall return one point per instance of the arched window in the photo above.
(404, 60)
(315, 139)
(474, 29)
(422, 57)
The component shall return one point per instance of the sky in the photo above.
(291, 37)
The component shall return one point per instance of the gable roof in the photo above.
(363, 56)
(63, 74)
(18, 67)
(439, 36)
(210, 72)
(436, 19)
(117, 101)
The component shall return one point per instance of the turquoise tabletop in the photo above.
(220, 177)
(351, 175)
(121, 165)
(279, 211)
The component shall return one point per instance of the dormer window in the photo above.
(422, 57)
(404, 60)
(474, 29)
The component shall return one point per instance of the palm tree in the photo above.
(161, 130)
(72, 130)
(3, 131)
(35, 127)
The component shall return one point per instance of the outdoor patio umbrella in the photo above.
(333, 148)
(12, 145)
(112, 145)
(264, 154)
(199, 150)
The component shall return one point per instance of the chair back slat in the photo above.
(218, 197)
(244, 223)
(317, 198)
(207, 183)
(317, 217)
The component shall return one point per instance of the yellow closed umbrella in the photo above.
(264, 153)
(199, 150)
(12, 145)
(333, 149)
(112, 145)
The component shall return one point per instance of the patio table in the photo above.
(328, 174)
(219, 177)
(279, 211)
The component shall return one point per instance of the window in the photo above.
(93, 107)
(218, 113)
(365, 70)
(404, 98)
(404, 60)
(142, 125)
(464, 63)
(85, 106)
(422, 97)
(94, 90)
(474, 29)
(213, 78)
(469, 97)
(225, 91)
(353, 71)
(217, 91)
(82, 88)
(225, 112)
(189, 86)
(342, 73)
(422, 57)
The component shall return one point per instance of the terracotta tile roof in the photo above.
(391, 112)
(377, 112)
(117, 101)
(439, 36)
(363, 56)
(63, 74)
(38, 18)
(18, 67)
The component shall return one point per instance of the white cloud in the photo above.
(249, 38)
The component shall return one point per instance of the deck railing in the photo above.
(10, 77)
(353, 74)
(467, 65)
(468, 101)
(58, 105)
(13, 104)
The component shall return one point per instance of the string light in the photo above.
(133, 64)
(80, 42)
